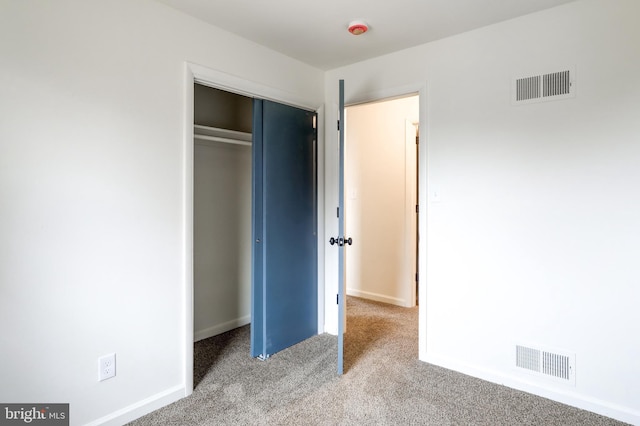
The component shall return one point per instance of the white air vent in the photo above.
(548, 363)
(527, 88)
(544, 87)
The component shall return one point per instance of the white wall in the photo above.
(535, 236)
(222, 238)
(92, 182)
(380, 168)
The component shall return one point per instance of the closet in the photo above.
(222, 211)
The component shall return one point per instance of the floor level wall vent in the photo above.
(552, 364)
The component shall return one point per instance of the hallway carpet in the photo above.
(384, 383)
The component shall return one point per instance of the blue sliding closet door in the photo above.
(284, 306)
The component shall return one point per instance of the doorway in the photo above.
(381, 200)
(221, 211)
(381, 205)
(212, 78)
(254, 219)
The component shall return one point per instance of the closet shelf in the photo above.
(214, 134)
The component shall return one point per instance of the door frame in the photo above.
(331, 143)
(194, 73)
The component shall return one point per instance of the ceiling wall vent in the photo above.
(544, 87)
(547, 363)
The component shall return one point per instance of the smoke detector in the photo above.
(358, 27)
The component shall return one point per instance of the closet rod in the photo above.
(223, 140)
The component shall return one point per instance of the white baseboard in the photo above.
(568, 397)
(139, 409)
(221, 328)
(377, 297)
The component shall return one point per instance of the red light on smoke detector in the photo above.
(358, 27)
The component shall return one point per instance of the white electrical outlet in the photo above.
(107, 367)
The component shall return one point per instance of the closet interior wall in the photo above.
(222, 211)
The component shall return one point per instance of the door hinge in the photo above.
(417, 208)
(417, 140)
(337, 299)
(337, 211)
(338, 125)
(417, 277)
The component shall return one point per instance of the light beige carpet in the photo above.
(384, 383)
